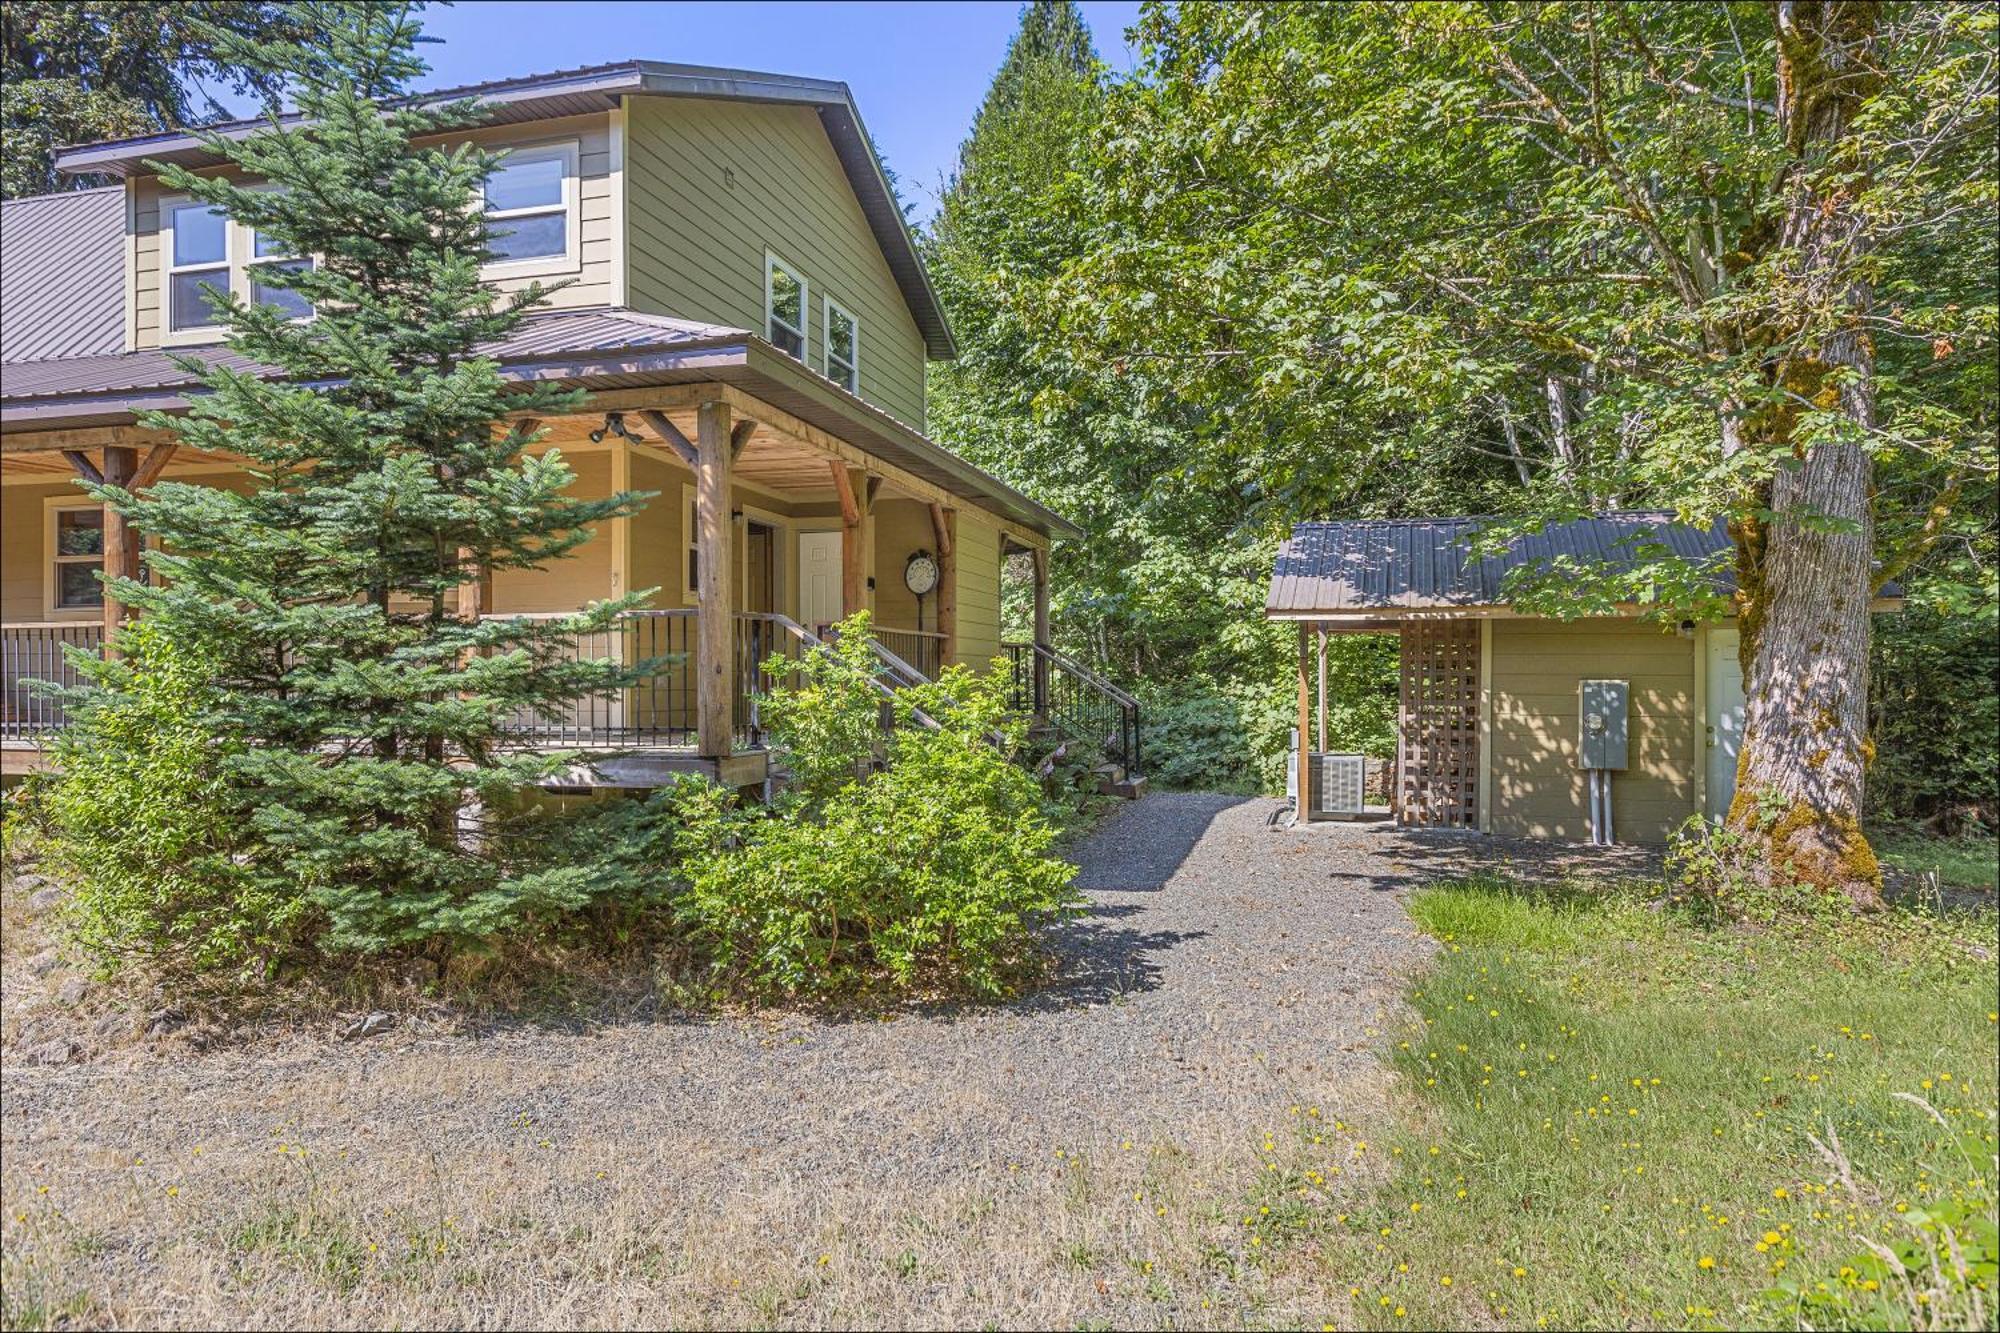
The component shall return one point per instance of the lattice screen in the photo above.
(1437, 746)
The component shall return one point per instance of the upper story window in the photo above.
(205, 249)
(843, 347)
(531, 210)
(785, 306)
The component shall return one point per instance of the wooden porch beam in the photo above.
(121, 540)
(843, 491)
(670, 434)
(739, 435)
(715, 624)
(154, 463)
(84, 467)
(944, 524)
(855, 514)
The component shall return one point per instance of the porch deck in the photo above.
(635, 737)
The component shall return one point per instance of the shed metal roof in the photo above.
(1414, 564)
(596, 89)
(62, 277)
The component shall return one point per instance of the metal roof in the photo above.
(1411, 564)
(599, 348)
(596, 89)
(62, 277)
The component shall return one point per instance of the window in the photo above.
(843, 348)
(197, 243)
(204, 247)
(531, 209)
(266, 254)
(690, 548)
(785, 306)
(78, 555)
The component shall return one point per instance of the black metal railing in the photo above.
(921, 648)
(35, 652)
(1077, 702)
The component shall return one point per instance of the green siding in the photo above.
(711, 186)
(978, 553)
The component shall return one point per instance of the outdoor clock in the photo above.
(920, 573)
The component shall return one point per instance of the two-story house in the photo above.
(746, 309)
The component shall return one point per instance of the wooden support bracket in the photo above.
(84, 467)
(670, 434)
(154, 464)
(739, 435)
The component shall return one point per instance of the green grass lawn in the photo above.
(1970, 862)
(1617, 1117)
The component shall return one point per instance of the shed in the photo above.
(1492, 710)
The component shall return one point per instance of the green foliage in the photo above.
(74, 71)
(361, 725)
(1935, 707)
(927, 872)
(146, 829)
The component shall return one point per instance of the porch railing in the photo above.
(921, 648)
(30, 652)
(1077, 702)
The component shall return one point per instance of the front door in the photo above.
(819, 579)
(1725, 717)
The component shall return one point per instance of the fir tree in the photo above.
(361, 722)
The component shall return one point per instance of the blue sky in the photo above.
(918, 69)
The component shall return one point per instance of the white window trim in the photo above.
(690, 596)
(51, 506)
(832, 308)
(240, 252)
(232, 258)
(570, 153)
(775, 261)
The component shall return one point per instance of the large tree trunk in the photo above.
(1807, 584)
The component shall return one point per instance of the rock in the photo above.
(27, 882)
(43, 900)
(369, 1026)
(165, 1021)
(62, 1051)
(73, 991)
(115, 1026)
(43, 963)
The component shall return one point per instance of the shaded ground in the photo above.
(1074, 1156)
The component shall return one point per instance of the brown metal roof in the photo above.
(62, 275)
(1385, 564)
(598, 88)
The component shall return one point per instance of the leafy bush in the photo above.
(1935, 703)
(929, 868)
(143, 824)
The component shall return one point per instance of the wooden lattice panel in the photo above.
(1437, 745)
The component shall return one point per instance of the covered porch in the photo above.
(763, 529)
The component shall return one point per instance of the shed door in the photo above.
(1437, 742)
(1725, 717)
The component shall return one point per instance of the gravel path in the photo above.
(1227, 972)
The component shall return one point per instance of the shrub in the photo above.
(929, 869)
(143, 825)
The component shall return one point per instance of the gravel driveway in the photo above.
(1227, 973)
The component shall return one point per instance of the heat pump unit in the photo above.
(1337, 781)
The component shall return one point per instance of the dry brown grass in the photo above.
(612, 1173)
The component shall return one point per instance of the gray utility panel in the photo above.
(1602, 706)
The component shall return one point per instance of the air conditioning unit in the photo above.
(1337, 783)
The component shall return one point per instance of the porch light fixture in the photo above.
(614, 424)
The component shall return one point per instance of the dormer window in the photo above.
(531, 210)
(197, 253)
(785, 306)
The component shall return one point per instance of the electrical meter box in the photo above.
(1602, 706)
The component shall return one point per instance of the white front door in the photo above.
(819, 579)
(1725, 717)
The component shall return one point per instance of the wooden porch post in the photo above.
(715, 623)
(121, 542)
(1321, 636)
(944, 526)
(1305, 725)
(851, 488)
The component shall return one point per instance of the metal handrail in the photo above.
(1056, 688)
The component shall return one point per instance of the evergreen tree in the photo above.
(362, 724)
(72, 71)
